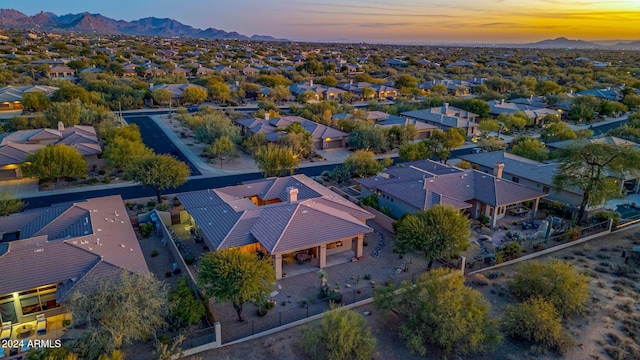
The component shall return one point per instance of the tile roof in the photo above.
(26, 267)
(445, 116)
(75, 234)
(270, 127)
(610, 140)
(415, 186)
(227, 219)
(515, 165)
(15, 93)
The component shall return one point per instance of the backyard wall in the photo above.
(381, 219)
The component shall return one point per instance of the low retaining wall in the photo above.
(544, 252)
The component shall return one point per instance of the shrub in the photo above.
(154, 253)
(189, 259)
(511, 250)
(484, 219)
(602, 216)
(162, 207)
(168, 274)
(151, 204)
(537, 321)
(558, 282)
(341, 334)
(371, 201)
(145, 229)
(184, 305)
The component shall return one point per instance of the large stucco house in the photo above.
(415, 186)
(48, 253)
(287, 218)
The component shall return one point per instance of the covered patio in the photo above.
(55, 328)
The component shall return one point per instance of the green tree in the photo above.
(489, 126)
(548, 87)
(536, 321)
(531, 149)
(609, 108)
(194, 95)
(184, 305)
(161, 96)
(369, 138)
(362, 163)
(300, 143)
(127, 307)
(121, 152)
(440, 310)
(414, 151)
(439, 232)
(280, 93)
(67, 113)
(492, 144)
(368, 93)
(626, 132)
(591, 167)
(345, 97)
(558, 131)
(254, 142)
(557, 282)
(327, 80)
(223, 146)
(441, 143)
(215, 125)
(56, 162)
(584, 108)
(9, 204)
(230, 275)
(35, 101)
(69, 92)
(158, 172)
(406, 81)
(274, 160)
(341, 335)
(219, 91)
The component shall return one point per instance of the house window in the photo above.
(334, 244)
(515, 179)
(545, 189)
(38, 300)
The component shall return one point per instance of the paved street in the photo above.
(154, 138)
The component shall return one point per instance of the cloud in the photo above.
(380, 25)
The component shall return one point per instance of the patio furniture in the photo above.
(26, 346)
(2, 353)
(41, 324)
(6, 331)
(24, 330)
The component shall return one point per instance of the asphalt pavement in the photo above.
(154, 138)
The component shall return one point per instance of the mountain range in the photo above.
(99, 24)
(151, 26)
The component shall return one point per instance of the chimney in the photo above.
(150, 86)
(350, 82)
(311, 82)
(266, 116)
(530, 97)
(497, 170)
(445, 108)
(60, 126)
(501, 101)
(292, 194)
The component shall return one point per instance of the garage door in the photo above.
(335, 144)
(7, 174)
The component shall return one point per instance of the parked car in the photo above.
(193, 108)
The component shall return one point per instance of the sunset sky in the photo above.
(402, 21)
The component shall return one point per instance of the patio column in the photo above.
(322, 255)
(494, 217)
(356, 246)
(18, 172)
(277, 262)
(536, 203)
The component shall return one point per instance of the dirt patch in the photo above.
(609, 329)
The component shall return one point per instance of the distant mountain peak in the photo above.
(97, 23)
